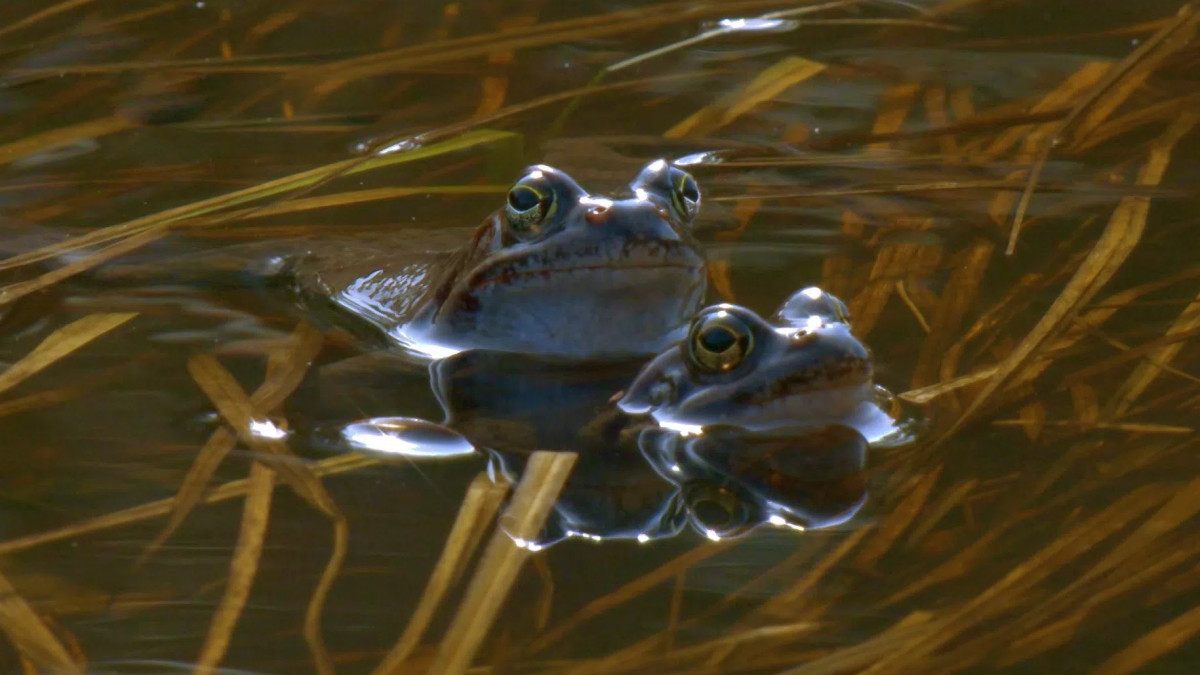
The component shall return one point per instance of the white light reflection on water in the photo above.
(405, 437)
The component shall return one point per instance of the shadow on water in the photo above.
(1002, 192)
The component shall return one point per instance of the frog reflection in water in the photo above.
(792, 462)
(555, 271)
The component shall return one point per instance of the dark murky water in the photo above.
(110, 112)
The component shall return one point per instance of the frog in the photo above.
(736, 368)
(555, 270)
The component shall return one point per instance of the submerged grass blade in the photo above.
(479, 507)
(30, 635)
(1152, 645)
(59, 345)
(535, 496)
(284, 375)
(1123, 232)
(766, 85)
(322, 661)
(256, 513)
(151, 226)
(157, 509)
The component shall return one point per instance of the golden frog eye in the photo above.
(685, 193)
(719, 341)
(530, 203)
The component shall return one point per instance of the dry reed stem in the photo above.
(30, 636)
(534, 498)
(60, 344)
(243, 567)
(478, 511)
(1105, 258)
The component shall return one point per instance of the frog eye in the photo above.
(529, 205)
(719, 341)
(717, 511)
(685, 194)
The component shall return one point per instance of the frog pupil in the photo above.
(690, 191)
(717, 339)
(712, 513)
(523, 199)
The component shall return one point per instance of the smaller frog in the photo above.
(734, 368)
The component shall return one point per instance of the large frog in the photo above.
(554, 271)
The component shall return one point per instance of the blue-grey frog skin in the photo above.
(554, 271)
(735, 368)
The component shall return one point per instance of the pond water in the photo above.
(1002, 192)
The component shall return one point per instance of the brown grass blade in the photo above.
(149, 228)
(1032, 570)
(1149, 369)
(967, 271)
(36, 17)
(1107, 95)
(1133, 72)
(285, 370)
(237, 488)
(894, 108)
(479, 507)
(48, 140)
(16, 291)
(1106, 256)
(892, 263)
(256, 513)
(837, 270)
(627, 592)
(898, 521)
(864, 654)
(768, 84)
(59, 345)
(322, 661)
(237, 409)
(535, 496)
(1154, 644)
(30, 635)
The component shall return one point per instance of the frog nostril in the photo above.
(598, 214)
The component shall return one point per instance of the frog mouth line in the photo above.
(547, 272)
